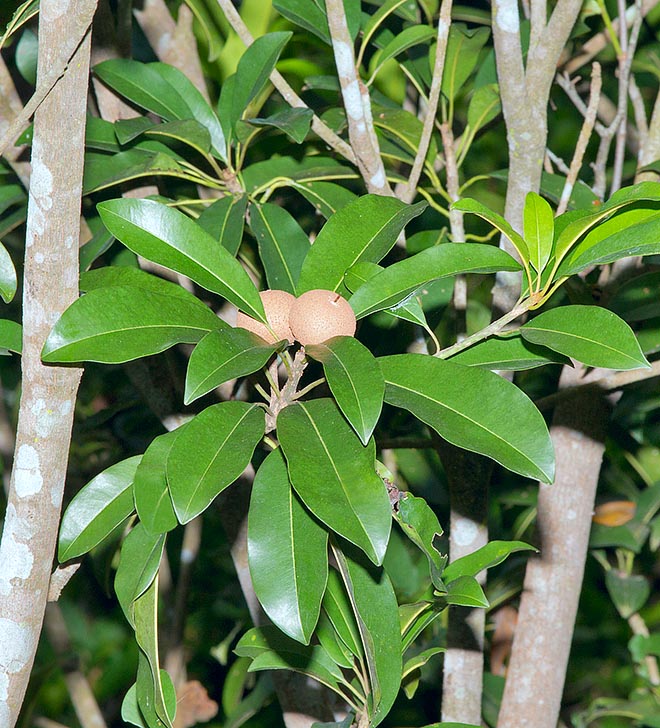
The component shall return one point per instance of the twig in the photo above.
(583, 139)
(279, 399)
(639, 111)
(357, 103)
(444, 22)
(288, 94)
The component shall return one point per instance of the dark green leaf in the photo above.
(487, 556)
(463, 48)
(152, 497)
(629, 592)
(420, 524)
(254, 68)
(97, 509)
(283, 245)
(638, 299)
(94, 248)
(294, 122)
(355, 381)
(210, 453)
(100, 135)
(398, 282)
(168, 237)
(289, 563)
(121, 323)
(224, 220)
(326, 197)
(465, 591)
(538, 229)
(334, 474)
(407, 38)
(103, 170)
(592, 335)
(140, 557)
(224, 355)
(377, 613)
(187, 131)
(130, 709)
(11, 336)
(332, 643)
(123, 275)
(126, 130)
(365, 229)
(337, 606)
(484, 107)
(511, 353)
(450, 398)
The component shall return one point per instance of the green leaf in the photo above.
(326, 197)
(283, 245)
(450, 398)
(164, 90)
(463, 49)
(123, 275)
(365, 229)
(8, 281)
(375, 607)
(421, 526)
(127, 130)
(638, 299)
(11, 336)
(100, 135)
(224, 220)
(186, 131)
(210, 453)
(595, 336)
(294, 122)
(511, 353)
(332, 643)
(130, 709)
(140, 557)
(407, 38)
(170, 238)
(224, 355)
(487, 556)
(632, 232)
(122, 323)
(334, 474)
(97, 509)
(151, 493)
(415, 618)
(465, 591)
(270, 649)
(395, 284)
(254, 68)
(155, 692)
(484, 106)
(497, 221)
(354, 379)
(103, 170)
(629, 592)
(308, 14)
(337, 606)
(538, 229)
(289, 563)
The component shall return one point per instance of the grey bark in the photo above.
(48, 396)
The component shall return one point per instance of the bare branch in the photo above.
(288, 94)
(444, 22)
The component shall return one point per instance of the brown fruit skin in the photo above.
(319, 315)
(277, 305)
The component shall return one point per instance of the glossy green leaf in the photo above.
(150, 490)
(419, 660)
(421, 526)
(511, 353)
(170, 238)
(122, 323)
(396, 283)
(254, 68)
(538, 230)
(11, 336)
(465, 591)
(164, 90)
(127, 130)
(270, 649)
(308, 14)
(354, 379)
(224, 355)
(365, 229)
(450, 398)
(186, 131)
(463, 48)
(139, 560)
(595, 336)
(487, 556)
(289, 563)
(415, 618)
(224, 220)
(572, 232)
(210, 453)
(484, 106)
(103, 170)
(497, 221)
(375, 607)
(8, 280)
(334, 474)
(124, 275)
(337, 606)
(282, 243)
(100, 135)
(332, 643)
(407, 38)
(629, 592)
(97, 509)
(629, 233)
(155, 692)
(294, 122)
(326, 197)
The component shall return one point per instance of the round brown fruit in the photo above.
(319, 315)
(277, 305)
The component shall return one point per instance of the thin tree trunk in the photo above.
(48, 396)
